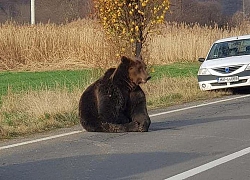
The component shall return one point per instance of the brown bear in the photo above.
(116, 102)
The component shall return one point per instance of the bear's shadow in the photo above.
(179, 124)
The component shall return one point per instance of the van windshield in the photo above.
(230, 48)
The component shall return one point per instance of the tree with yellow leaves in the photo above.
(131, 20)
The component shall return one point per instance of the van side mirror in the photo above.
(201, 59)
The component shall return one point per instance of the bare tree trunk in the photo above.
(138, 45)
(138, 48)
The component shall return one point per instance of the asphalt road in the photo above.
(194, 141)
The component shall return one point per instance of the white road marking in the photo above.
(210, 165)
(152, 115)
(39, 140)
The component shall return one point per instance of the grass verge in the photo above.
(49, 100)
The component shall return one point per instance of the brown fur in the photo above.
(115, 102)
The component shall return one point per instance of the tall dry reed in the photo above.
(182, 42)
(83, 44)
(48, 45)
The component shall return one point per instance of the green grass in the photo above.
(18, 82)
(23, 81)
(175, 70)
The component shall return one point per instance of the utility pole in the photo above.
(243, 9)
(181, 7)
(32, 12)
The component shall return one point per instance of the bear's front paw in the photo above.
(135, 127)
(142, 129)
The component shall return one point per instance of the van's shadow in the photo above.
(237, 90)
(240, 90)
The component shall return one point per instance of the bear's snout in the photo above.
(149, 77)
(144, 80)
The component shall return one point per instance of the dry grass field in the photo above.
(83, 44)
(180, 42)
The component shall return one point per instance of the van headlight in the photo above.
(248, 67)
(204, 71)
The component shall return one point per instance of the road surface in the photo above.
(196, 141)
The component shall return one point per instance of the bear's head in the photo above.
(137, 71)
(132, 71)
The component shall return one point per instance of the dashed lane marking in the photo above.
(210, 165)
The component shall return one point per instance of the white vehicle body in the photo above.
(227, 64)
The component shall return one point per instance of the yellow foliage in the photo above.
(131, 19)
(136, 28)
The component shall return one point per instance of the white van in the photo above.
(227, 64)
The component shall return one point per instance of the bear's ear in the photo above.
(125, 60)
